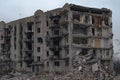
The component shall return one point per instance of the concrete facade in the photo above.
(5, 45)
(52, 41)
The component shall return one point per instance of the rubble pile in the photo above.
(81, 70)
(84, 68)
(16, 76)
(69, 76)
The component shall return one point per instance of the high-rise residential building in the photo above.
(51, 41)
(5, 45)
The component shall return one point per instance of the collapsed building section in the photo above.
(90, 42)
(68, 39)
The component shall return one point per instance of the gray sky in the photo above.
(14, 9)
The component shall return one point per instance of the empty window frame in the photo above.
(67, 62)
(93, 31)
(38, 30)
(65, 16)
(86, 20)
(76, 17)
(15, 31)
(47, 24)
(47, 33)
(98, 42)
(84, 51)
(56, 53)
(78, 40)
(57, 63)
(106, 20)
(39, 40)
(56, 32)
(29, 36)
(21, 64)
(38, 58)
(47, 64)
(38, 49)
(1, 37)
(107, 53)
(96, 20)
(66, 39)
(79, 29)
(47, 53)
(66, 51)
(29, 46)
(56, 22)
(29, 25)
(99, 32)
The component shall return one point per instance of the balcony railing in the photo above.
(81, 45)
(7, 36)
(27, 58)
(29, 31)
(55, 48)
(28, 40)
(55, 17)
(29, 51)
(53, 57)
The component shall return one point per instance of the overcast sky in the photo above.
(14, 9)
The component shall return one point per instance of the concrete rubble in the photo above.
(81, 71)
(16, 76)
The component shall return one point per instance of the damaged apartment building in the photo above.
(52, 41)
(5, 45)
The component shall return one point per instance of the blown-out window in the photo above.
(39, 40)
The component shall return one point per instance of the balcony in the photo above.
(80, 42)
(79, 29)
(107, 46)
(7, 59)
(7, 53)
(55, 27)
(82, 24)
(28, 59)
(56, 36)
(4, 50)
(7, 36)
(55, 17)
(28, 40)
(37, 63)
(54, 57)
(108, 35)
(58, 57)
(29, 31)
(28, 51)
(64, 20)
(81, 45)
(80, 35)
(55, 48)
(65, 57)
(65, 32)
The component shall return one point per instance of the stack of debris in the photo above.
(84, 68)
(16, 76)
